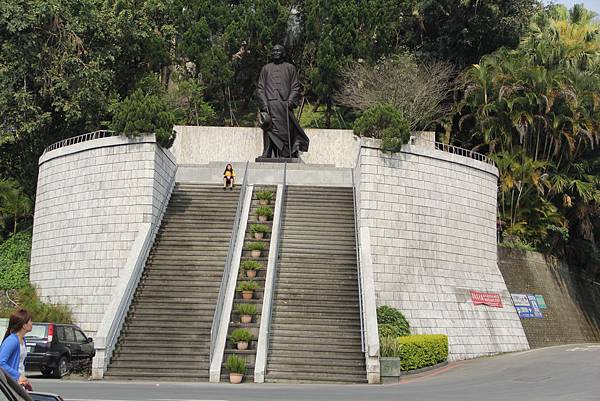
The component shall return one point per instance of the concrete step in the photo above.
(291, 376)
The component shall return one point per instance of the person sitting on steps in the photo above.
(228, 177)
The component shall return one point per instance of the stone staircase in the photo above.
(315, 329)
(166, 335)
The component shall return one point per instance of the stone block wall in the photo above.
(432, 222)
(572, 314)
(91, 199)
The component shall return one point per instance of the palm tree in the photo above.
(13, 202)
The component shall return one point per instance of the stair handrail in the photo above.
(358, 259)
(278, 251)
(227, 268)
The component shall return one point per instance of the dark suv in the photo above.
(55, 348)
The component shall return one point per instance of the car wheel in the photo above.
(46, 371)
(62, 368)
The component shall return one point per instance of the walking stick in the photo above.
(287, 111)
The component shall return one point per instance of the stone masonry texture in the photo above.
(432, 222)
(91, 199)
(572, 314)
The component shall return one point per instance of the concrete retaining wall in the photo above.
(432, 222)
(91, 199)
(202, 145)
(572, 314)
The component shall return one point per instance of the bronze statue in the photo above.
(278, 92)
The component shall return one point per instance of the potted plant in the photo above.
(251, 267)
(237, 368)
(246, 311)
(247, 289)
(264, 197)
(264, 213)
(259, 230)
(256, 248)
(241, 337)
(389, 348)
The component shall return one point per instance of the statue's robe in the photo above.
(278, 92)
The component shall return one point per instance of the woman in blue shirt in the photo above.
(13, 349)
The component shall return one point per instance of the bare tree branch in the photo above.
(418, 90)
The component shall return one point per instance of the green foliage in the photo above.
(145, 111)
(385, 122)
(535, 110)
(14, 261)
(264, 211)
(259, 228)
(236, 364)
(241, 335)
(249, 285)
(420, 351)
(389, 346)
(391, 322)
(256, 246)
(245, 309)
(14, 204)
(251, 265)
(40, 311)
(265, 195)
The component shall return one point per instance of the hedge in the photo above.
(420, 351)
(14, 261)
(391, 322)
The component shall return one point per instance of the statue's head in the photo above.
(278, 53)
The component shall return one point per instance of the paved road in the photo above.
(559, 373)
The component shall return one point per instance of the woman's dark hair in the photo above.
(228, 165)
(17, 320)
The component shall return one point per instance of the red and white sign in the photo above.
(486, 298)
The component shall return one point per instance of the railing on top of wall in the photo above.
(81, 138)
(454, 150)
(142, 256)
(226, 271)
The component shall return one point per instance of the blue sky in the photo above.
(589, 4)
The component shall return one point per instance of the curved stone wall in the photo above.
(431, 218)
(91, 199)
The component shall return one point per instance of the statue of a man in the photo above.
(278, 92)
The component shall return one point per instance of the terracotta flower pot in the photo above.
(255, 254)
(262, 218)
(259, 235)
(263, 202)
(235, 378)
(247, 295)
(246, 318)
(251, 273)
(242, 345)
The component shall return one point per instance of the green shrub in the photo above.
(146, 110)
(392, 322)
(385, 122)
(389, 346)
(247, 286)
(236, 364)
(40, 312)
(259, 228)
(14, 261)
(245, 309)
(241, 335)
(420, 351)
(256, 246)
(264, 211)
(264, 195)
(251, 265)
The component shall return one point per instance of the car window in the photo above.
(69, 334)
(62, 336)
(38, 330)
(79, 337)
